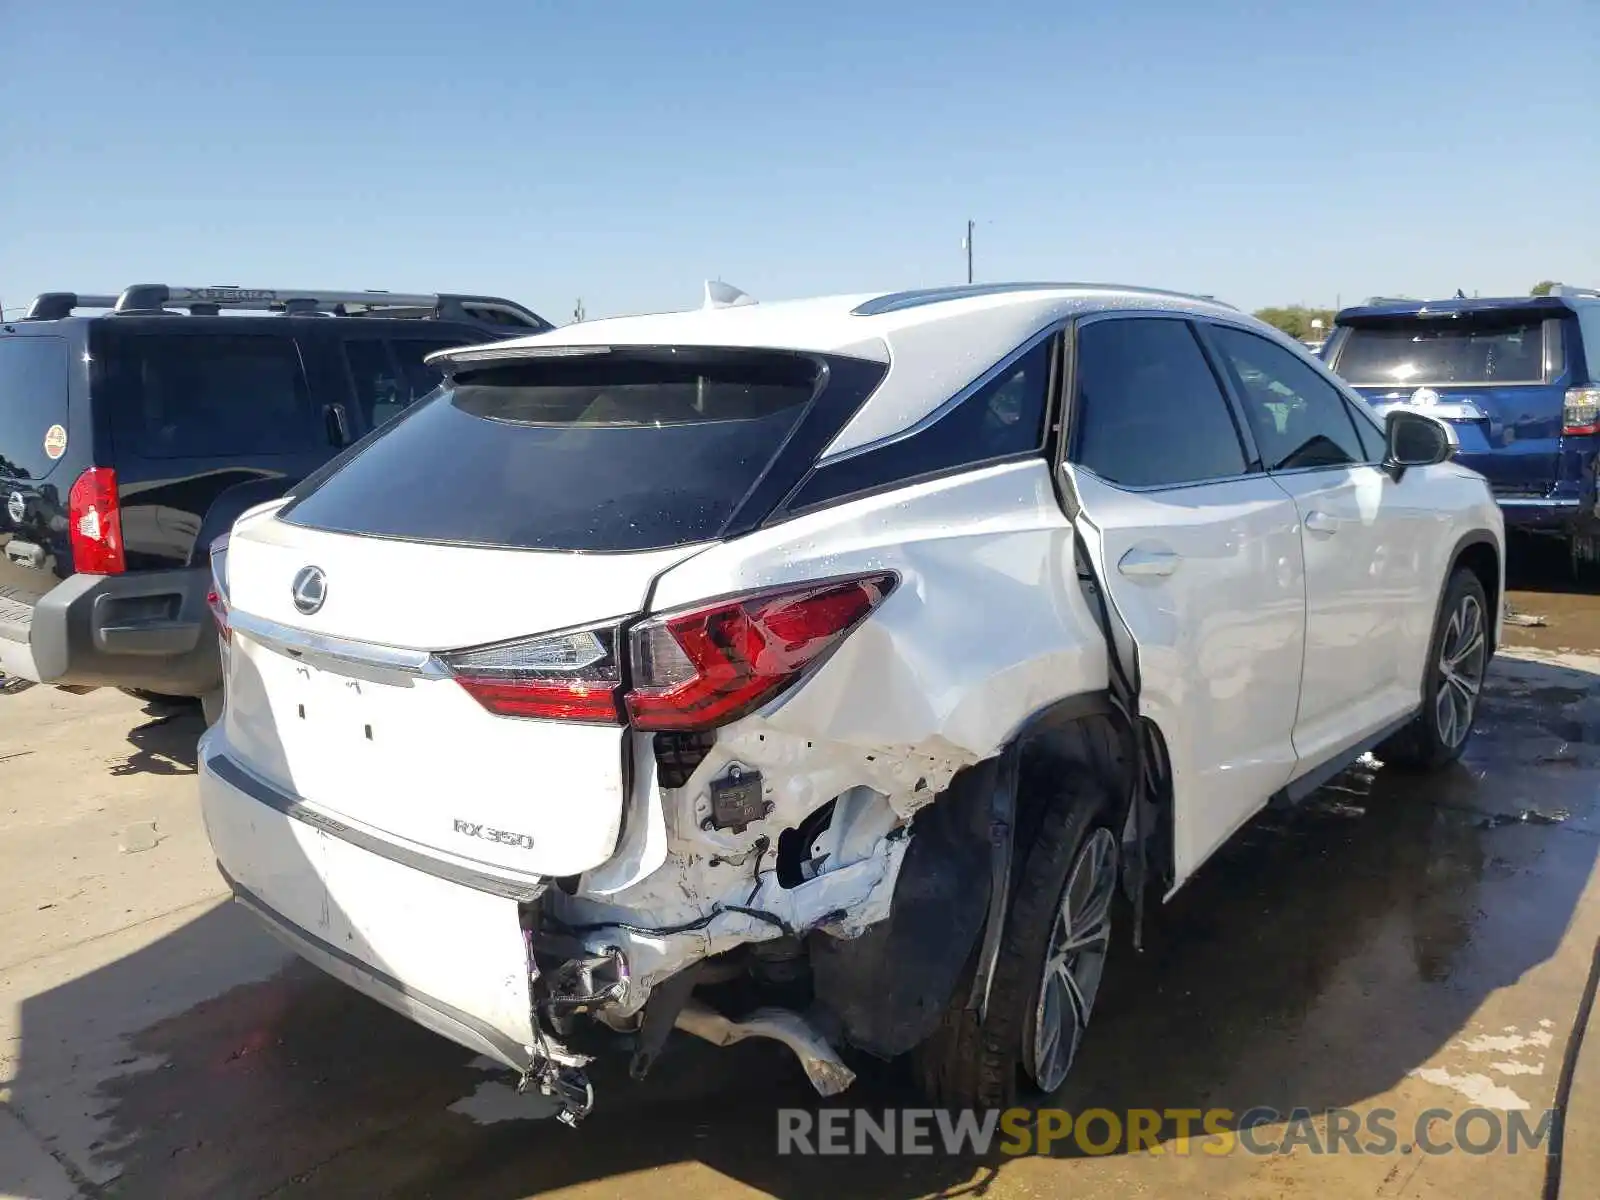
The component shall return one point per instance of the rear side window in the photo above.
(33, 402)
(1478, 348)
(1002, 418)
(1150, 413)
(176, 396)
(1589, 327)
(1299, 419)
(631, 450)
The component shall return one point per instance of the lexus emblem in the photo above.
(16, 507)
(310, 589)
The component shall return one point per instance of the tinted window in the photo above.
(381, 395)
(1589, 327)
(421, 378)
(33, 400)
(1298, 417)
(389, 375)
(1481, 348)
(1149, 410)
(1003, 417)
(176, 396)
(625, 451)
(1372, 438)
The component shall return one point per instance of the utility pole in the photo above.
(577, 312)
(967, 244)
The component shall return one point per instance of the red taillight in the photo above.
(217, 597)
(701, 669)
(1581, 411)
(560, 677)
(94, 519)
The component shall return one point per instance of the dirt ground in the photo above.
(1394, 944)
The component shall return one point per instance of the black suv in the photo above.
(130, 439)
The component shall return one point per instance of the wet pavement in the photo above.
(1397, 943)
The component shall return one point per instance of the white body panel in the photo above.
(407, 594)
(1220, 638)
(1371, 585)
(444, 953)
(411, 754)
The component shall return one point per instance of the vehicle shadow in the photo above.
(1319, 959)
(164, 744)
(1540, 564)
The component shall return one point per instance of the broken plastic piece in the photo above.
(821, 1061)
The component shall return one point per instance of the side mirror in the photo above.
(1417, 440)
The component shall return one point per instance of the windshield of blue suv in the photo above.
(1410, 352)
(609, 452)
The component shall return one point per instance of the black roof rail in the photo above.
(145, 298)
(52, 306)
(900, 301)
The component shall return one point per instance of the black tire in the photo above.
(967, 1063)
(1428, 743)
(1583, 556)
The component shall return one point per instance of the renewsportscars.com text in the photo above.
(1179, 1131)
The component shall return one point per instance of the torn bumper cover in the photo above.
(543, 978)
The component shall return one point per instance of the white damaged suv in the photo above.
(825, 670)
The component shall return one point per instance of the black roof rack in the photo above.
(52, 306)
(145, 299)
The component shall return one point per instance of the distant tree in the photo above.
(1295, 320)
(1542, 288)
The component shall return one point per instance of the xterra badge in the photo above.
(499, 837)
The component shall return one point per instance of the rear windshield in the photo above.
(1410, 353)
(33, 405)
(612, 452)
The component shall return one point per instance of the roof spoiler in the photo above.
(1567, 289)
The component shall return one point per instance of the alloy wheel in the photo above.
(1075, 960)
(1463, 655)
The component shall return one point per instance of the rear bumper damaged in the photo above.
(727, 931)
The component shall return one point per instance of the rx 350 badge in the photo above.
(500, 837)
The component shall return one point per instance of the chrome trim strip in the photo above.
(1406, 389)
(296, 936)
(494, 352)
(293, 807)
(299, 643)
(1535, 502)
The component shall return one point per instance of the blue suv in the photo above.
(1518, 377)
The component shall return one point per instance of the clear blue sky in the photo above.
(624, 151)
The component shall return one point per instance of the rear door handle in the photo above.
(1138, 563)
(1318, 521)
